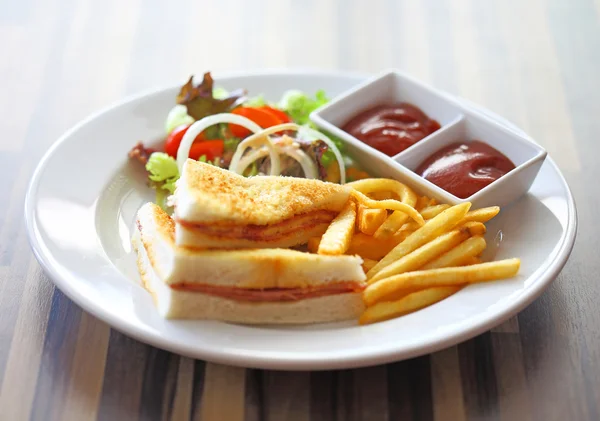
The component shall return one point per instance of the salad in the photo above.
(247, 135)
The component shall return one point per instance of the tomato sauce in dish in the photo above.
(391, 128)
(463, 169)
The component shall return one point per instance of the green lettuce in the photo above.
(299, 105)
(231, 143)
(178, 116)
(220, 93)
(257, 101)
(215, 162)
(162, 170)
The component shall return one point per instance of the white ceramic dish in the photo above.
(459, 122)
(79, 228)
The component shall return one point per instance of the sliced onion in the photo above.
(308, 165)
(331, 144)
(199, 126)
(261, 138)
(293, 126)
(247, 160)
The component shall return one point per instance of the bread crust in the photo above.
(177, 304)
(206, 193)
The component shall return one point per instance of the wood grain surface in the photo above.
(536, 62)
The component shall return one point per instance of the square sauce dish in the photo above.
(432, 142)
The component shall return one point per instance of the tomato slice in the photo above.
(261, 117)
(278, 113)
(211, 148)
(174, 139)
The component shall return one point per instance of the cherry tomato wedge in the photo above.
(260, 116)
(211, 148)
(278, 113)
(174, 140)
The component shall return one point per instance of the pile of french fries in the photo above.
(416, 252)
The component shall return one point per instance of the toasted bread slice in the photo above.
(206, 193)
(260, 268)
(177, 304)
(291, 232)
(165, 268)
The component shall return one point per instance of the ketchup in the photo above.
(465, 168)
(391, 128)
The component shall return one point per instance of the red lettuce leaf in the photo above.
(200, 101)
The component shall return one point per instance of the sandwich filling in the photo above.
(269, 232)
(272, 294)
(156, 249)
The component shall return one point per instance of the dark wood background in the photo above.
(536, 62)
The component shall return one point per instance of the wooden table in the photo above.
(535, 62)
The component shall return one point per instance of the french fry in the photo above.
(402, 235)
(368, 264)
(363, 245)
(381, 195)
(422, 203)
(444, 277)
(428, 213)
(313, 244)
(424, 254)
(397, 218)
(391, 225)
(471, 261)
(459, 255)
(481, 215)
(432, 211)
(372, 185)
(388, 204)
(368, 247)
(410, 226)
(407, 229)
(368, 220)
(407, 304)
(474, 227)
(336, 239)
(433, 228)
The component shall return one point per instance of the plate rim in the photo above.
(252, 360)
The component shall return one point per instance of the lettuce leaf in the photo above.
(220, 93)
(257, 101)
(178, 116)
(299, 105)
(200, 100)
(162, 170)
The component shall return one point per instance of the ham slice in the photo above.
(272, 294)
(296, 224)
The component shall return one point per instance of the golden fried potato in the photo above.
(432, 229)
(368, 264)
(336, 239)
(481, 215)
(377, 187)
(407, 304)
(471, 261)
(460, 254)
(424, 254)
(432, 211)
(474, 227)
(368, 247)
(313, 244)
(388, 204)
(391, 225)
(368, 220)
(444, 277)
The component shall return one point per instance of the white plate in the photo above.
(80, 209)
